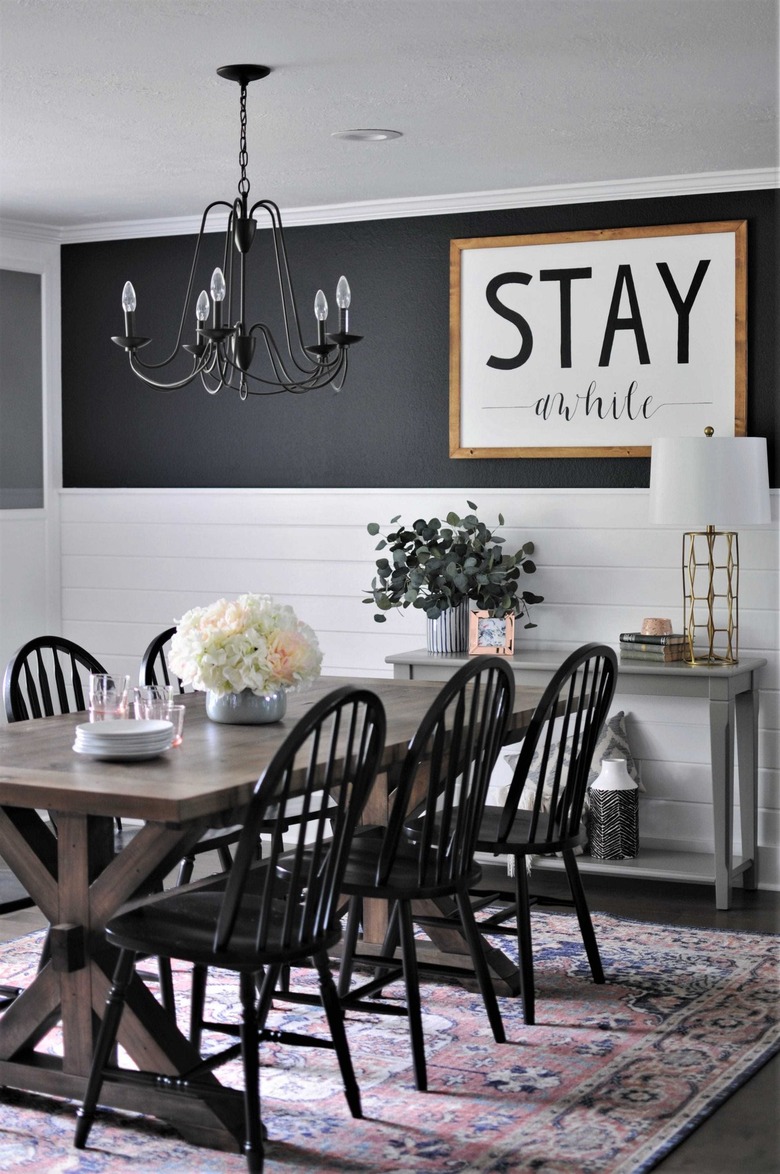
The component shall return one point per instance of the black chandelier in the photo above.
(225, 350)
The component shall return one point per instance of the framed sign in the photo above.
(583, 344)
(491, 634)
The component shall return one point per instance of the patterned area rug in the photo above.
(608, 1082)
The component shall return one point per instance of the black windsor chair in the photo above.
(544, 817)
(154, 663)
(46, 676)
(154, 671)
(445, 775)
(254, 919)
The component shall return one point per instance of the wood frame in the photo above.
(467, 391)
(482, 627)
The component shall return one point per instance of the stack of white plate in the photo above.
(123, 738)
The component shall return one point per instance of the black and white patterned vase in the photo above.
(613, 825)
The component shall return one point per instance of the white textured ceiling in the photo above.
(111, 110)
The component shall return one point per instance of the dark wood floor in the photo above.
(744, 1134)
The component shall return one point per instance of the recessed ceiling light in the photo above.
(367, 136)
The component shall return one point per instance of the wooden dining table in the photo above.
(79, 878)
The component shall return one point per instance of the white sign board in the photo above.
(594, 343)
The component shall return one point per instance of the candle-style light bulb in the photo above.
(218, 292)
(128, 305)
(218, 289)
(343, 294)
(128, 298)
(343, 298)
(202, 307)
(320, 313)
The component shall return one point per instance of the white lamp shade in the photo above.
(700, 481)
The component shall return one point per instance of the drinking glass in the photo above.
(156, 709)
(176, 715)
(143, 695)
(107, 696)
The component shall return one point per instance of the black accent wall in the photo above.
(389, 426)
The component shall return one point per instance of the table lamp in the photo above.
(703, 482)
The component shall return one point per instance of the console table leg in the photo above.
(747, 741)
(722, 755)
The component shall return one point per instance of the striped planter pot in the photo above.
(450, 631)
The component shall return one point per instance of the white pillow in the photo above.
(612, 743)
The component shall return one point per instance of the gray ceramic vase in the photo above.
(246, 708)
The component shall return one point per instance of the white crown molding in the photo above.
(584, 193)
(22, 231)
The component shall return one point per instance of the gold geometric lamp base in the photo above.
(710, 596)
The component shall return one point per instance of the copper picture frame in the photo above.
(491, 634)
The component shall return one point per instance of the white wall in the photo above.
(30, 538)
(134, 560)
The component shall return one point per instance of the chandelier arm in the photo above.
(210, 390)
(286, 289)
(187, 295)
(317, 379)
(338, 386)
(156, 383)
(227, 262)
(320, 376)
(275, 355)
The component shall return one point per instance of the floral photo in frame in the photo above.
(491, 634)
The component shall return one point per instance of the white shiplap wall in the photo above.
(134, 560)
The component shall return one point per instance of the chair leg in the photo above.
(583, 916)
(104, 1046)
(524, 942)
(480, 967)
(349, 942)
(225, 859)
(266, 983)
(335, 1014)
(166, 985)
(185, 870)
(412, 982)
(253, 1140)
(197, 1002)
(391, 940)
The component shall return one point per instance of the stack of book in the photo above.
(637, 646)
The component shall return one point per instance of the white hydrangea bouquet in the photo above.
(247, 643)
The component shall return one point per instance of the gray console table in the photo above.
(732, 694)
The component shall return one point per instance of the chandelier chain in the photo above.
(243, 157)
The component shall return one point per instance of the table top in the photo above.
(213, 770)
(549, 659)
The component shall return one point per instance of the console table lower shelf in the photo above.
(651, 863)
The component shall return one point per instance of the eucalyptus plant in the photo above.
(435, 565)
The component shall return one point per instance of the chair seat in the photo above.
(403, 881)
(182, 925)
(517, 842)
